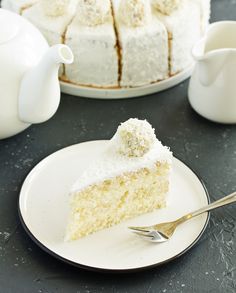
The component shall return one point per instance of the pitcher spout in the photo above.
(213, 51)
(39, 94)
(209, 67)
(208, 64)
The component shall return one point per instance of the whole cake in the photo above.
(130, 178)
(120, 43)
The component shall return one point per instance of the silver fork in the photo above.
(163, 231)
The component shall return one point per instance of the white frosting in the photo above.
(111, 164)
(17, 5)
(184, 28)
(96, 58)
(135, 13)
(144, 51)
(205, 8)
(166, 6)
(52, 28)
(55, 7)
(93, 12)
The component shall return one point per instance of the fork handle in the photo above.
(219, 203)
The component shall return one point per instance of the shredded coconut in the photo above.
(133, 147)
(166, 6)
(134, 138)
(134, 13)
(55, 7)
(93, 12)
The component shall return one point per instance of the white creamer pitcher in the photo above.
(212, 89)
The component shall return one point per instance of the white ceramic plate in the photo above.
(87, 92)
(43, 209)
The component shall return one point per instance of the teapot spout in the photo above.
(39, 94)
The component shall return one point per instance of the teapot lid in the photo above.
(9, 26)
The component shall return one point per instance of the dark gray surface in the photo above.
(210, 149)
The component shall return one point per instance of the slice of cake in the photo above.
(183, 21)
(91, 36)
(205, 7)
(143, 42)
(130, 178)
(17, 6)
(52, 18)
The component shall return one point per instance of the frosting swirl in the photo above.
(166, 6)
(134, 13)
(134, 138)
(55, 7)
(93, 12)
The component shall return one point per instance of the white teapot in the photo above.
(212, 88)
(29, 86)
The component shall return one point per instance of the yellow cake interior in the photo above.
(112, 201)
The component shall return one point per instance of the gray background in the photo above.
(210, 149)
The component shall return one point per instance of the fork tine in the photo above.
(143, 235)
(139, 229)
